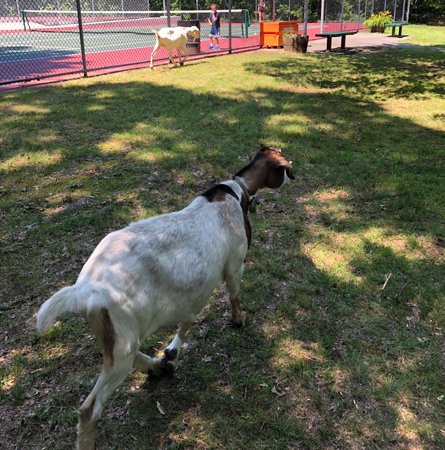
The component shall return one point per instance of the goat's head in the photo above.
(273, 165)
(194, 32)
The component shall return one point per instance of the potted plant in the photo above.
(378, 21)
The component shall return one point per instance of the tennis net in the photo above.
(138, 22)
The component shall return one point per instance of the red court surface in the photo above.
(52, 66)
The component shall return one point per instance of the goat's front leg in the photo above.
(170, 360)
(185, 54)
(233, 280)
(171, 57)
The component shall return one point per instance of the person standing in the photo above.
(215, 25)
(261, 10)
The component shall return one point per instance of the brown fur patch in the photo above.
(218, 193)
(108, 335)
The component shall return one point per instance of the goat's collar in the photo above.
(252, 200)
(243, 186)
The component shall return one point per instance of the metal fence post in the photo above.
(358, 15)
(342, 12)
(322, 17)
(82, 42)
(394, 13)
(403, 10)
(230, 26)
(167, 5)
(305, 15)
(407, 12)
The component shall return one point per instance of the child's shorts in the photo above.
(214, 32)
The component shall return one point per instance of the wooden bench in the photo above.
(394, 25)
(329, 36)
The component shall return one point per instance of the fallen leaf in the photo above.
(276, 392)
(160, 408)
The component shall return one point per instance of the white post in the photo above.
(18, 7)
(407, 12)
(288, 13)
(322, 17)
(358, 15)
(342, 12)
(306, 12)
(403, 11)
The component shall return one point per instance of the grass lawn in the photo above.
(344, 283)
(425, 34)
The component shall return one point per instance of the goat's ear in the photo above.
(276, 178)
(289, 170)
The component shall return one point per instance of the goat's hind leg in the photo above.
(118, 353)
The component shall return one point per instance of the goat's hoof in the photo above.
(167, 368)
(171, 353)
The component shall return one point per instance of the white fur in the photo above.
(153, 273)
(172, 38)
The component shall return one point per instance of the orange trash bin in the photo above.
(271, 33)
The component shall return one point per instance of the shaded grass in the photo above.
(328, 357)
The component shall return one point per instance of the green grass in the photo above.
(328, 358)
(425, 34)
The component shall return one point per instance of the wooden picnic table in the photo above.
(332, 34)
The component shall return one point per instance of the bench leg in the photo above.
(400, 31)
(393, 31)
(329, 44)
(343, 41)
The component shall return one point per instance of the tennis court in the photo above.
(53, 48)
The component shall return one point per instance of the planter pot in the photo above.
(288, 43)
(300, 43)
(377, 29)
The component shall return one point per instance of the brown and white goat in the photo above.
(174, 38)
(162, 271)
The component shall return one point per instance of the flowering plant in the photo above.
(379, 19)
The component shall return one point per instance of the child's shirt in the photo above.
(215, 24)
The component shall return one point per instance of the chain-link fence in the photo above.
(56, 38)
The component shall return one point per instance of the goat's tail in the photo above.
(68, 299)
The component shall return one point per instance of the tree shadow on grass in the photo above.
(395, 73)
(317, 363)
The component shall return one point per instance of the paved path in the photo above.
(361, 40)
